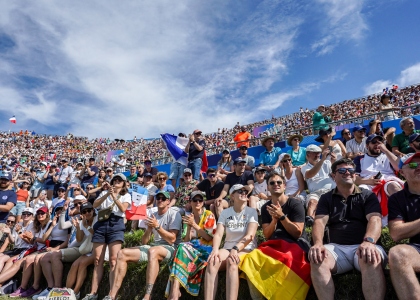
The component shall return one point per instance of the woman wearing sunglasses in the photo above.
(295, 184)
(162, 177)
(109, 232)
(26, 259)
(297, 153)
(190, 260)
(225, 165)
(240, 223)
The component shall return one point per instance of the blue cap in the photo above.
(373, 136)
(413, 137)
(406, 159)
(6, 175)
(147, 175)
(239, 160)
(358, 128)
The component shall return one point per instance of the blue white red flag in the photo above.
(176, 146)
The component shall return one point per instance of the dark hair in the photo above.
(342, 161)
(274, 173)
(37, 224)
(211, 170)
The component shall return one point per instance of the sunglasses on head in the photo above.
(87, 211)
(197, 200)
(278, 182)
(242, 192)
(161, 198)
(344, 170)
(413, 165)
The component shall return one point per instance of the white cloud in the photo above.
(141, 68)
(344, 22)
(377, 86)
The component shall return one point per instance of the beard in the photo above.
(416, 146)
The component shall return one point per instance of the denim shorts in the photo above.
(109, 231)
(49, 187)
(18, 208)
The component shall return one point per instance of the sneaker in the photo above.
(44, 293)
(30, 292)
(107, 298)
(17, 293)
(91, 297)
(77, 296)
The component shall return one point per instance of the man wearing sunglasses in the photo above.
(353, 217)
(377, 173)
(404, 217)
(195, 149)
(249, 160)
(8, 198)
(212, 186)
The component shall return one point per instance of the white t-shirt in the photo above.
(40, 234)
(322, 180)
(370, 166)
(40, 204)
(115, 210)
(65, 173)
(261, 188)
(171, 220)
(151, 188)
(236, 225)
(84, 229)
(73, 178)
(120, 166)
(20, 243)
(58, 234)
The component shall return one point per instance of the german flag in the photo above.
(278, 269)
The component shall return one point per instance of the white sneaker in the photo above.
(77, 296)
(43, 294)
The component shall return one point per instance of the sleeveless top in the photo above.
(292, 184)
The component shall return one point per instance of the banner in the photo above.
(113, 155)
(261, 129)
(139, 197)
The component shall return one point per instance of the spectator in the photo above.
(240, 223)
(345, 136)
(165, 225)
(163, 187)
(194, 250)
(65, 174)
(133, 174)
(387, 133)
(386, 106)
(297, 153)
(403, 220)
(120, 164)
(414, 142)
(212, 187)
(242, 138)
(295, 184)
(22, 197)
(149, 169)
(400, 143)
(317, 175)
(6, 239)
(8, 198)
(37, 176)
(225, 165)
(353, 217)
(283, 223)
(260, 193)
(357, 145)
(182, 194)
(270, 156)
(49, 183)
(250, 160)
(177, 169)
(41, 201)
(109, 232)
(318, 119)
(195, 149)
(335, 146)
(88, 173)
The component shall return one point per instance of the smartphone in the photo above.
(331, 149)
(378, 176)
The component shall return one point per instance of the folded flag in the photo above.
(176, 146)
(205, 164)
(138, 203)
(13, 120)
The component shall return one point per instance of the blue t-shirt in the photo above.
(38, 184)
(298, 158)
(90, 179)
(270, 158)
(5, 197)
(167, 188)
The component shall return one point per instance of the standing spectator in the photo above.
(8, 198)
(270, 156)
(249, 160)
(297, 153)
(120, 164)
(42, 200)
(49, 184)
(386, 106)
(400, 143)
(353, 217)
(177, 169)
(318, 119)
(345, 136)
(242, 137)
(357, 145)
(64, 174)
(38, 179)
(195, 149)
(23, 198)
(88, 173)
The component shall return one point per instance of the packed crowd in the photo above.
(63, 210)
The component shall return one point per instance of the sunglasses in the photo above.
(241, 192)
(187, 175)
(40, 213)
(87, 211)
(10, 222)
(413, 165)
(76, 189)
(197, 200)
(374, 142)
(348, 132)
(162, 178)
(78, 204)
(26, 214)
(296, 140)
(161, 198)
(286, 160)
(344, 170)
(260, 172)
(276, 182)
(89, 188)
(109, 171)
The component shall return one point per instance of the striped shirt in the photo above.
(354, 147)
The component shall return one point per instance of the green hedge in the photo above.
(347, 286)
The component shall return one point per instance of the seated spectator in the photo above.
(162, 177)
(182, 194)
(22, 197)
(335, 146)
(7, 196)
(194, 251)
(357, 145)
(414, 142)
(212, 187)
(270, 156)
(353, 217)
(240, 176)
(386, 106)
(225, 165)
(88, 173)
(149, 169)
(400, 143)
(249, 160)
(295, 184)
(165, 225)
(242, 138)
(103, 177)
(378, 160)
(60, 197)
(403, 224)
(6, 238)
(283, 223)
(109, 233)
(133, 174)
(260, 194)
(297, 153)
(317, 175)
(345, 136)
(109, 174)
(387, 133)
(240, 223)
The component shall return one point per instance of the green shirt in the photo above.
(401, 141)
(132, 178)
(318, 119)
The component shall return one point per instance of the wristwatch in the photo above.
(369, 240)
(282, 217)
(235, 248)
(157, 228)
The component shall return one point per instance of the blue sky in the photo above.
(140, 68)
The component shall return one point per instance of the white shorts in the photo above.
(315, 195)
(347, 258)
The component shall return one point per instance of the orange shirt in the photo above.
(22, 195)
(242, 139)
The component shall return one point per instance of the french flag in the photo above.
(176, 146)
(13, 120)
(138, 204)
